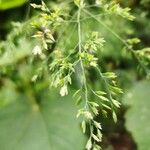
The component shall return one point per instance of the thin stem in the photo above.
(100, 73)
(94, 5)
(27, 11)
(122, 40)
(103, 24)
(97, 15)
(96, 96)
(106, 86)
(81, 62)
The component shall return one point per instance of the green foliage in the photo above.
(15, 53)
(115, 8)
(137, 116)
(27, 125)
(8, 94)
(144, 56)
(59, 48)
(79, 3)
(7, 4)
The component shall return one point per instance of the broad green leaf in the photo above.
(7, 93)
(52, 125)
(7, 4)
(138, 115)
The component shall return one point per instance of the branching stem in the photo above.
(122, 40)
(106, 86)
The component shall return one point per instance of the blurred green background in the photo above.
(55, 126)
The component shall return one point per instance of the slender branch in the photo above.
(122, 40)
(106, 86)
(81, 62)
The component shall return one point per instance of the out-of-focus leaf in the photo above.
(14, 54)
(138, 116)
(7, 4)
(8, 93)
(52, 125)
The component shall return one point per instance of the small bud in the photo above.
(64, 91)
(34, 78)
(37, 50)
